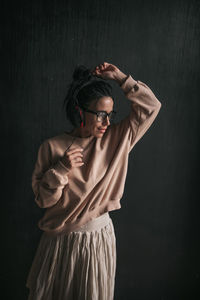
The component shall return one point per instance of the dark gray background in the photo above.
(157, 228)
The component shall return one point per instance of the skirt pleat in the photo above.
(79, 265)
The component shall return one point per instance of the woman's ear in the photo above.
(82, 117)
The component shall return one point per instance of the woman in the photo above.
(79, 177)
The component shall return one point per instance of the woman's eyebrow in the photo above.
(104, 111)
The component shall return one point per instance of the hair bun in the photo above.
(82, 73)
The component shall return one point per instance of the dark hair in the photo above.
(84, 88)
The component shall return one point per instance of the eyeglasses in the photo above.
(102, 115)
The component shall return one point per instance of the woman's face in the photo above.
(92, 126)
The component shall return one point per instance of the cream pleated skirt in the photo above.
(79, 265)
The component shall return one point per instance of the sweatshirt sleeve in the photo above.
(48, 180)
(144, 109)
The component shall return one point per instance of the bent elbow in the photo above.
(159, 105)
(156, 107)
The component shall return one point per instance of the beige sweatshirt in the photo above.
(73, 197)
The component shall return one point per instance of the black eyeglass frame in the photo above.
(112, 113)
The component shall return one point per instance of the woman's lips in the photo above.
(102, 130)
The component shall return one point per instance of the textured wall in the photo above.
(157, 228)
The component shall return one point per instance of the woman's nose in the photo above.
(106, 121)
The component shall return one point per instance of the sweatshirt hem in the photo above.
(69, 227)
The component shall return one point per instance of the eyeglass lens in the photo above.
(103, 116)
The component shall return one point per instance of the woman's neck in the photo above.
(80, 132)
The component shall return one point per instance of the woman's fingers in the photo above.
(104, 64)
(100, 68)
(78, 164)
(74, 150)
(73, 158)
(76, 159)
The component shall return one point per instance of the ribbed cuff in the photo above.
(61, 168)
(128, 84)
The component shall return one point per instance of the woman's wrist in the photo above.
(120, 78)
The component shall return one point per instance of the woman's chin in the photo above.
(100, 134)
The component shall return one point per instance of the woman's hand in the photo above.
(109, 71)
(73, 158)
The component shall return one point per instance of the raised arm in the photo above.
(48, 180)
(144, 104)
(144, 108)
